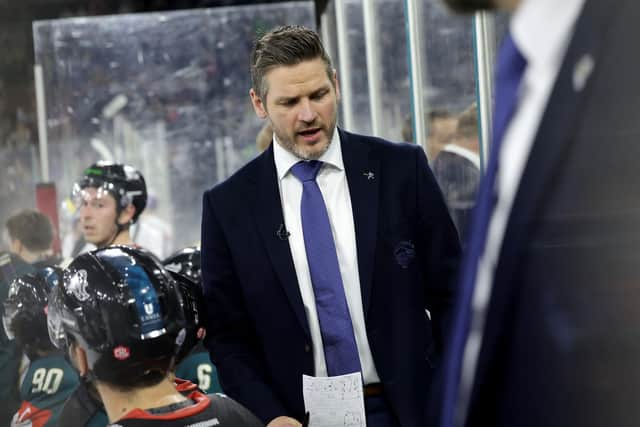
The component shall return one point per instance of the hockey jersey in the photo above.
(198, 369)
(83, 409)
(199, 410)
(47, 384)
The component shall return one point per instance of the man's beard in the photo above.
(299, 150)
(468, 6)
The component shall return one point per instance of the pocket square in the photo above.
(404, 252)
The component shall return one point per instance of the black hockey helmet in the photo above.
(124, 309)
(184, 265)
(25, 318)
(123, 182)
(186, 262)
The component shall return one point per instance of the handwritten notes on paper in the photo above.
(334, 401)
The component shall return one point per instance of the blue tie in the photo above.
(510, 68)
(340, 350)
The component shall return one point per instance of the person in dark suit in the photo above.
(457, 170)
(389, 250)
(553, 335)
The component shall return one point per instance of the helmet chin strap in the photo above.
(115, 235)
(119, 229)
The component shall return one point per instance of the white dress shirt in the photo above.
(332, 181)
(541, 29)
(463, 152)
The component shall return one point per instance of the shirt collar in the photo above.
(542, 29)
(472, 156)
(285, 160)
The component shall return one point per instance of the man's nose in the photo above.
(85, 211)
(307, 113)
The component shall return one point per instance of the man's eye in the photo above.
(319, 95)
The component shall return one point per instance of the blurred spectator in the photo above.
(31, 236)
(442, 127)
(22, 135)
(457, 169)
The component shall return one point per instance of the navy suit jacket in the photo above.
(458, 178)
(407, 253)
(562, 338)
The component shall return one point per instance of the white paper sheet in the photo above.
(334, 401)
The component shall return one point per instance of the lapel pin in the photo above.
(582, 71)
(370, 175)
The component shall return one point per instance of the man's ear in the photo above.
(16, 246)
(258, 105)
(336, 84)
(126, 215)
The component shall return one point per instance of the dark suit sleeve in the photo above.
(231, 338)
(440, 244)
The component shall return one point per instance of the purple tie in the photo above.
(340, 350)
(510, 69)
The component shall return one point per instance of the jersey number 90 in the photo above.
(47, 380)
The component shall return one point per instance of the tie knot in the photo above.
(306, 170)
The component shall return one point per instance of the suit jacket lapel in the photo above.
(556, 131)
(267, 214)
(363, 177)
(548, 153)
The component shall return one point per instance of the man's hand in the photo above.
(284, 422)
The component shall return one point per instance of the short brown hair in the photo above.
(285, 45)
(435, 114)
(468, 123)
(32, 228)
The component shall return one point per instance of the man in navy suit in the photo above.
(388, 228)
(457, 170)
(553, 339)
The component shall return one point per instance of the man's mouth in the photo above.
(310, 134)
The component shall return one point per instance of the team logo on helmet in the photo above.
(148, 308)
(121, 352)
(78, 285)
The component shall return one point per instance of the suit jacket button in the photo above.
(307, 348)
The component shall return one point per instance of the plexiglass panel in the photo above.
(449, 93)
(394, 73)
(389, 39)
(164, 92)
(356, 66)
